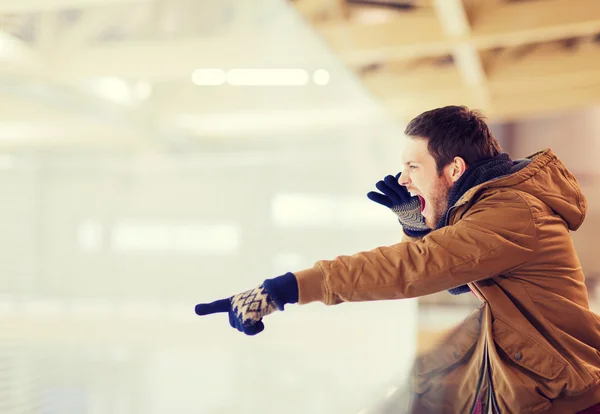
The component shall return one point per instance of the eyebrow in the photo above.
(410, 162)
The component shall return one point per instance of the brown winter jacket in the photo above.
(533, 345)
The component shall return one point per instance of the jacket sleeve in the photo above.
(496, 234)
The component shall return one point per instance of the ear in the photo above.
(457, 168)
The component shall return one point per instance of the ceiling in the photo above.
(512, 59)
(120, 73)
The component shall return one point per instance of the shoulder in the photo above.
(499, 208)
(492, 219)
(501, 198)
(511, 200)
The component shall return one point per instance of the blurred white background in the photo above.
(133, 188)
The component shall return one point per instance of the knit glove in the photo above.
(247, 309)
(397, 198)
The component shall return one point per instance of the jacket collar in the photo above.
(535, 163)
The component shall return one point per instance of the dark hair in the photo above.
(454, 131)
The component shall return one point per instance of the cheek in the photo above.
(426, 188)
(441, 193)
(420, 183)
(434, 192)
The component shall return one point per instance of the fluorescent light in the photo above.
(295, 210)
(372, 15)
(209, 77)
(267, 77)
(321, 77)
(113, 89)
(132, 236)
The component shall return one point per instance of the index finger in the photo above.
(218, 306)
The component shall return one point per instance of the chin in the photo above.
(431, 222)
(428, 223)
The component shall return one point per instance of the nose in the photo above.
(404, 179)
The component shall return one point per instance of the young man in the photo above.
(473, 221)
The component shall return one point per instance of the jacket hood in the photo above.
(544, 176)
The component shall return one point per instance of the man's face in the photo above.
(420, 177)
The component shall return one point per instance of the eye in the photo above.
(412, 167)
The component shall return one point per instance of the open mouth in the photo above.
(422, 200)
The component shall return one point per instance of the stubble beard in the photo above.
(439, 201)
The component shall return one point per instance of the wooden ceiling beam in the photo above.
(407, 35)
(545, 67)
(508, 105)
(321, 10)
(549, 65)
(517, 23)
(387, 83)
(455, 23)
(408, 105)
(418, 33)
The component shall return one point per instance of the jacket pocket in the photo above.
(524, 351)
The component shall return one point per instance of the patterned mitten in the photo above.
(247, 309)
(397, 198)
